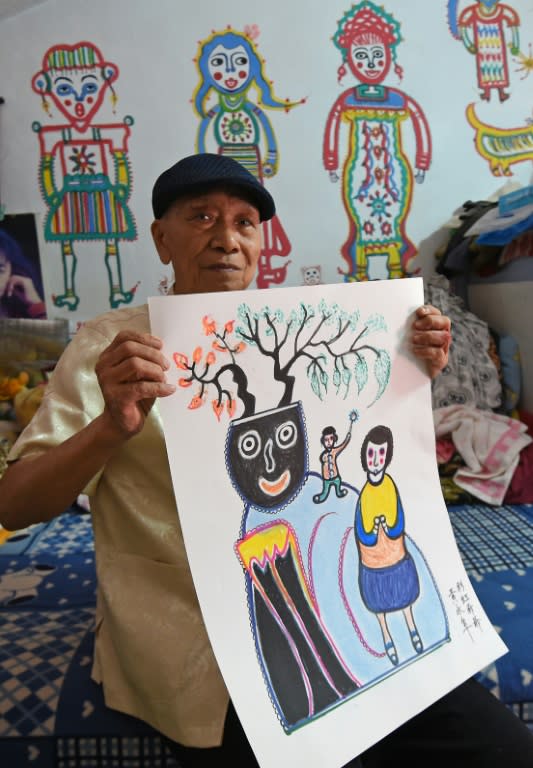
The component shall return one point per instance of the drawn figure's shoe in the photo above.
(120, 297)
(318, 499)
(391, 653)
(416, 641)
(68, 299)
(342, 493)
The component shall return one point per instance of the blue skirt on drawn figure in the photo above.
(317, 642)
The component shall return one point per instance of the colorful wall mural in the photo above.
(231, 100)
(84, 170)
(369, 126)
(377, 175)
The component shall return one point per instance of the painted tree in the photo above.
(331, 345)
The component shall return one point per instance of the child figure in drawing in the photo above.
(328, 460)
(388, 579)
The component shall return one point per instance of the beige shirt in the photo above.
(152, 653)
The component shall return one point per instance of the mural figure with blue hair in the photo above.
(230, 68)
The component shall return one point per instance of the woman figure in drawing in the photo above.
(229, 66)
(377, 177)
(388, 579)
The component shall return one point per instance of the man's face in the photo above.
(213, 242)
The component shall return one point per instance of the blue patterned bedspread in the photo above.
(496, 545)
(52, 715)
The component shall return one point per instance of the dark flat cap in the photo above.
(197, 174)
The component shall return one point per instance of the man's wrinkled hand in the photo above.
(131, 372)
(431, 338)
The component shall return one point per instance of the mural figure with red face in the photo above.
(377, 177)
(229, 67)
(84, 168)
(484, 28)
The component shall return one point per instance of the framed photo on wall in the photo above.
(21, 282)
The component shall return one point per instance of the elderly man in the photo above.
(98, 430)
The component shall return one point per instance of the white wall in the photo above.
(154, 44)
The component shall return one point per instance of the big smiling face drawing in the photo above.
(266, 456)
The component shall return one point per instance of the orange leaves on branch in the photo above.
(220, 343)
(181, 361)
(218, 408)
(196, 402)
(209, 325)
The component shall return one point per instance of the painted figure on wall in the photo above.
(84, 168)
(388, 579)
(501, 147)
(377, 177)
(311, 275)
(230, 68)
(487, 29)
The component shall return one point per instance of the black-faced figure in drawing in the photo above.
(267, 456)
(267, 461)
(388, 579)
(328, 460)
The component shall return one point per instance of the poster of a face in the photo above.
(21, 284)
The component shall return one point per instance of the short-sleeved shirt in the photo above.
(152, 652)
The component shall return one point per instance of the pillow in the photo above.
(471, 377)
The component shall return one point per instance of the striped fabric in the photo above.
(91, 211)
(72, 58)
(247, 155)
(494, 538)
